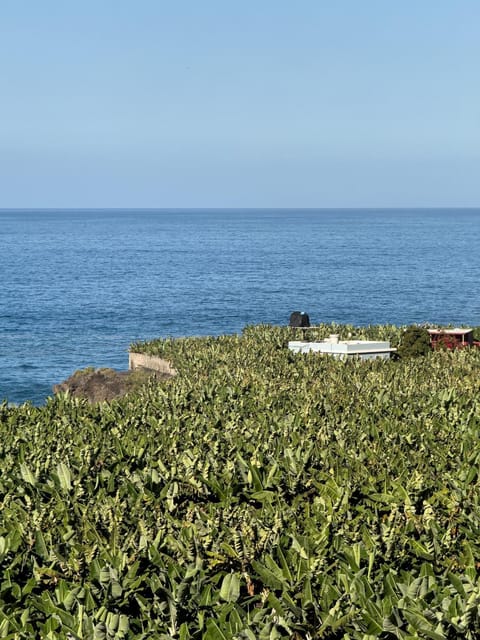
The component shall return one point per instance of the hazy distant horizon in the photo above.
(239, 209)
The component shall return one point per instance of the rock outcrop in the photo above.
(100, 385)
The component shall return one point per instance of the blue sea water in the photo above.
(79, 286)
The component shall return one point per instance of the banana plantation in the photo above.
(258, 494)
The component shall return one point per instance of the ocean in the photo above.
(79, 286)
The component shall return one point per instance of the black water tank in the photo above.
(299, 319)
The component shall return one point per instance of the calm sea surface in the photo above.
(77, 287)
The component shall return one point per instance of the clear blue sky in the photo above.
(252, 103)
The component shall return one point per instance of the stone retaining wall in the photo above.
(152, 363)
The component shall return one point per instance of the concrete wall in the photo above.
(153, 363)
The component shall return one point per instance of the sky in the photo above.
(228, 103)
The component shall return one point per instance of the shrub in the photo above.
(415, 342)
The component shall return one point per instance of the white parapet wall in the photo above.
(152, 363)
(362, 349)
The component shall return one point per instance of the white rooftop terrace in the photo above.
(342, 349)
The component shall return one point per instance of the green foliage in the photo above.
(259, 494)
(415, 342)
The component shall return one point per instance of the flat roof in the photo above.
(455, 332)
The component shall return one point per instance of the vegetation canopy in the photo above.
(415, 342)
(258, 494)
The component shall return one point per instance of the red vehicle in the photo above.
(452, 338)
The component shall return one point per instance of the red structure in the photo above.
(452, 338)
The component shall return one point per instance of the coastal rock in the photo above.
(100, 385)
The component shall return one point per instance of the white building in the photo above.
(362, 349)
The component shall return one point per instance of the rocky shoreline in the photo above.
(104, 385)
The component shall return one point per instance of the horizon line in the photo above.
(336, 208)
